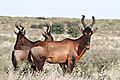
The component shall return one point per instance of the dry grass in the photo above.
(101, 62)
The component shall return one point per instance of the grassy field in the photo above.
(101, 62)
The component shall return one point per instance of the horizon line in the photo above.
(56, 16)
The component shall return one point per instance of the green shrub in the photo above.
(41, 18)
(35, 26)
(40, 26)
(58, 28)
(73, 29)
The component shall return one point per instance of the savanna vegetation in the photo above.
(101, 62)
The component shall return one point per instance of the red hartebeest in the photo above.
(66, 52)
(23, 45)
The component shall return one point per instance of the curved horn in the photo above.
(16, 25)
(24, 32)
(21, 27)
(44, 35)
(49, 27)
(48, 30)
(93, 22)
(82, 20)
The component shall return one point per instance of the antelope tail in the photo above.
(29, 57)
(31, 61)
(14, 61)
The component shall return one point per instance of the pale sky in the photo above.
(61, 8)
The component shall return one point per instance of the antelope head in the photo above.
(20, 36)
(87, 30)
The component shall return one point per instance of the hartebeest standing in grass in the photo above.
(23, 45)
(66, 52)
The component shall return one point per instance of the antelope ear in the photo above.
(94, 30)
(15, 32)
(81, 29)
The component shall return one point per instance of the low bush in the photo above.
(35, 26)
(73, 29)
(58, 28)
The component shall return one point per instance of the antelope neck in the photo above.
(81, 44)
